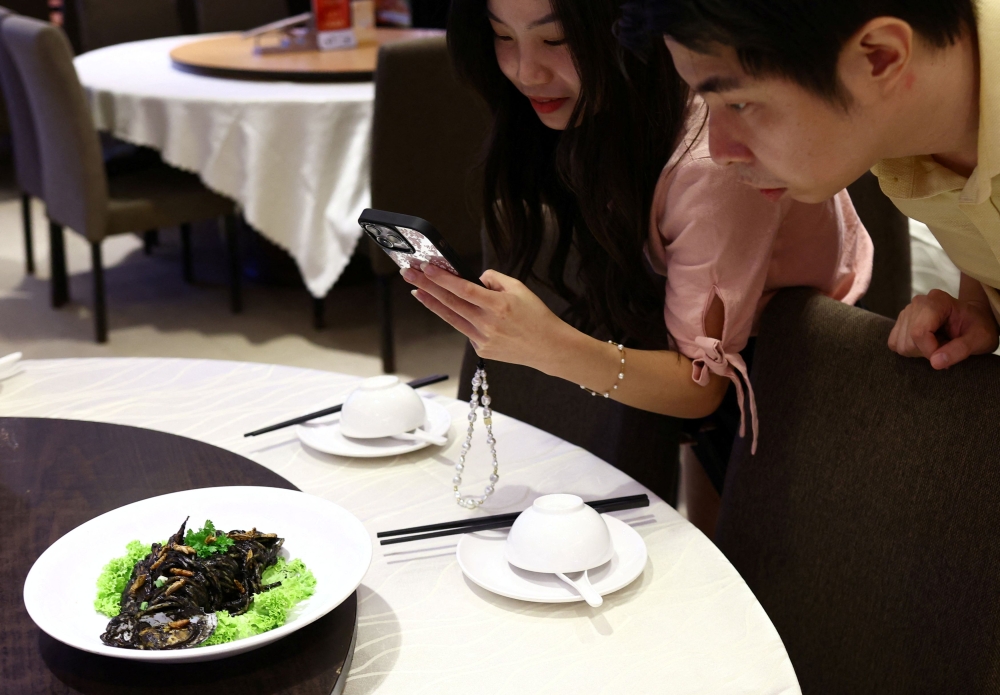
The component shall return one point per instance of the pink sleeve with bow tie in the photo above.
(713, 236)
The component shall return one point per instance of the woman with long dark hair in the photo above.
(599, 184)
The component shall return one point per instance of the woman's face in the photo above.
(533, 54)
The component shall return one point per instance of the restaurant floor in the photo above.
(152, 312)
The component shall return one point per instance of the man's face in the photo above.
(783, 139)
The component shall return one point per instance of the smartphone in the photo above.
(411, 241)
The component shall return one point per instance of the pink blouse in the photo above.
(712, 235)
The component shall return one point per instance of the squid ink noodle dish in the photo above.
(183, 591)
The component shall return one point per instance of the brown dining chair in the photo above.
(237, 15)
(889, 291)
(27, 163)
(78, 192)
(427, 135)
(108, 22)
(868, 523)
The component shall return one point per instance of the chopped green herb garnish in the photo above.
(160, 581)
(144, 605)
(206, 541)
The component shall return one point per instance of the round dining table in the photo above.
(294, 156)
(688, 624)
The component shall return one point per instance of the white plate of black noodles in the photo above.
(60, 589)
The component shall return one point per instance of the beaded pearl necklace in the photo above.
(473, 501)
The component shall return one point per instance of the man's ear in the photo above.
(877, 60)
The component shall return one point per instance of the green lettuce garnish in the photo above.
(269, 609)
(208, 541)
(115, 575)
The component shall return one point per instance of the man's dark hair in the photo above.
(797, 39)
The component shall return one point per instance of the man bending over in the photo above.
(805, 95)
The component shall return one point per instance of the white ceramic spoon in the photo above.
(582, 584)
(419, 435)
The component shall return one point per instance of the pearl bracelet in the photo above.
(621, 373)
(473, 501)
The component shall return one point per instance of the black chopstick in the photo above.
(497, 521)
(508, 517)
(416, 383)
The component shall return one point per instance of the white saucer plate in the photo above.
(338, 556)
(481, 557)
(327, 437)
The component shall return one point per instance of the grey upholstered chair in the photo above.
(237, 15)
(27, 162)
(427, 137)
(889, 291)
(78, 192)
(868, 523)
(108, 22)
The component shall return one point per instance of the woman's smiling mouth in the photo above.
(543, 106)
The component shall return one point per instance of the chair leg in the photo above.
(235, 264)
(319, 313)
(388, 348)
(29, 246)
(57, 264)
(186, 257)
(100, 306)
(150, 239)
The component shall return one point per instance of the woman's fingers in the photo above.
(458, 305)
(500, 282)
(450, 317)
(469, 291)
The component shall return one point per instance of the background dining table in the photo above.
(294, 156)
(689, 624)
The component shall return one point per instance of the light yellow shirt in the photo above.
(963, 213)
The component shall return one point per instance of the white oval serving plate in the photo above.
(60, 589)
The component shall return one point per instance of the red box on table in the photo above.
(333, 24)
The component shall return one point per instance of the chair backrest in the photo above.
(427, 136)
(889, 291)
(868, 523)
(75, 185)
(108, 22)
(237, 15)
(643, 445)
(27, 160)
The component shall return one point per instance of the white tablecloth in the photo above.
(294, 156)
(689, 624)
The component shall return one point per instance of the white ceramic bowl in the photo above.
(559, 533)
(382, 406)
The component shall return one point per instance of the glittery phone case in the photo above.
(428, 246)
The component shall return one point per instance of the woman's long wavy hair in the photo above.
(595, 180)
